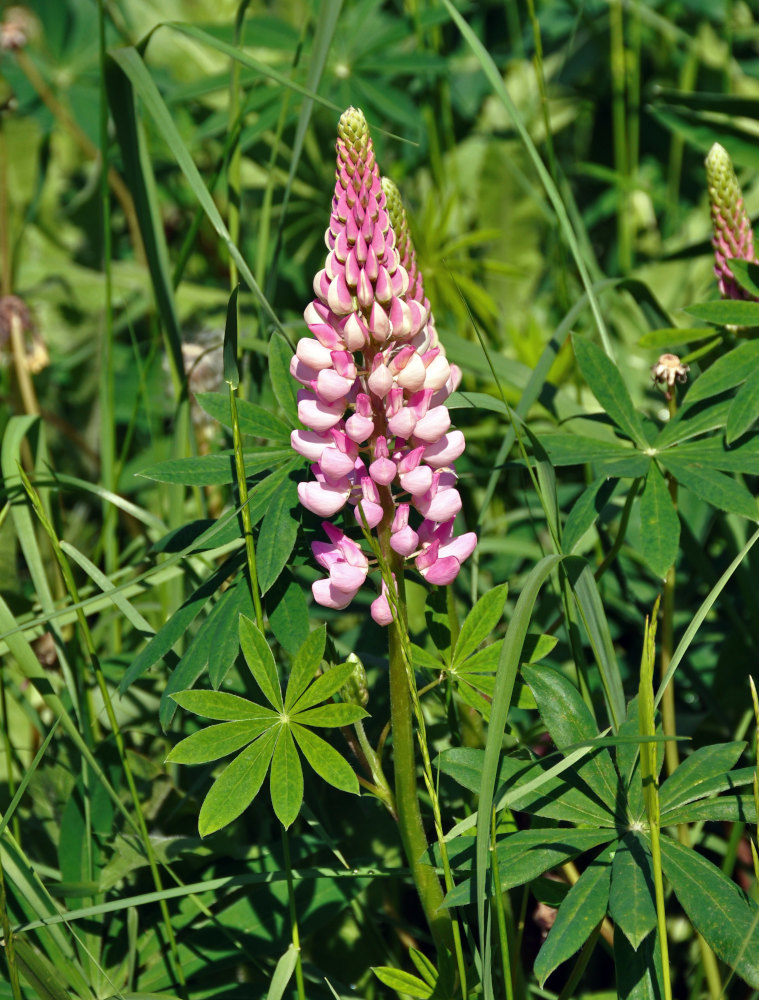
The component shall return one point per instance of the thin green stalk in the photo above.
(91, 653)
(648, 770)
(6, 270)
(106, 381)
(242, 486)
(293, 915)
(8, 943)
(619, 127)
(503, 937)
(669, 725)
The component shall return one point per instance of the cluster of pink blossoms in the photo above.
(732, 235)
(375, 379)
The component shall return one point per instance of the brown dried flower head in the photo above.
(669, 369)
(14, 314)
(17, 28)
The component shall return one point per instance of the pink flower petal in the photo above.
(380, 609)
(335, 464)
(461, 547)
(322, 498)
(445, 451)
(434, 425)
(404, 541)
(319, 415)
(443, 571)
(332, 386)
(309, 444)
(313, 354)
(327, 594)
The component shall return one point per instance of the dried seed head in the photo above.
(15, 315)
(669, 369)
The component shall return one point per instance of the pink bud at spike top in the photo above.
(732, 236)
(373, 379)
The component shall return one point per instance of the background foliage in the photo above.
(551, 160)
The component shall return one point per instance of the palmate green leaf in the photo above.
(237, 785)
(340, 714)
(526, 855)
(253, 419)
(286, 780)
(322, 688)
(659, 523)
(307, 661)
(222, 705)
(480, 622)
(717, 908)
(631, 899)
(712, 486)
(214, 470)
(260, 662)
(726, 372)
(744, 411)
(569, 722)
(586, 510)
(693, 778)
(331, 766)
(402, 982)
(726, 312)
(746, 273)
(584, 906)
(424, 660)
(276, 538)
(214, 742)
(608, 386)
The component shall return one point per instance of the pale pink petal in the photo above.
(322, 498)
(382, 471)
(335, 464)
(332, 386)
(346, 577)
(444, 451)
(461, 547)
(443, 571)
(413, 376)
(372, 513)
(309, 444)
(358, 428)
(403, 423)
(318, 415)
(381, 381)
(418, 481)
(326, 594)
(380, 609)
(404, 541)
(313, 354)
(437, 374)
(434, 425)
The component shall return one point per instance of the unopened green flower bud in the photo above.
(732, 236)
(355, 690)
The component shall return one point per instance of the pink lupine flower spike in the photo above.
(374, 379)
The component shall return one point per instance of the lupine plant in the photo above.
(303, 696)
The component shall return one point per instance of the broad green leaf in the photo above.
(222, 705)
(276, 538)
(259, 496)
(714, 487)
(307, 661)
(574, 449)
(568, 720)
(659, 524)
(692, 420)
(424, 966)
(627, 761)
(402, 982)
(675, 336)
(746, 273)
(726, 312)
(221, 636)
(586, 510)
(583, 908)
(340, 714)
(169, 634)
(713, 453)
(260, 661)
(525, 856)
(631, 899)
(691, 779)
(253, 419)
(717, 908)
(608, 386)
(325, 760)
(214, 742)
(424, 660)
(202, 650)
(553, 797)
(745, 408)
(480, 622)
(231, 371)
(214, 470)
(197, 536)
(728, 371)
(593, 614)
(286, 779)
(237, 785)
(287, 609)
(724, 809)
(323, 687)
(282, 382)
(639, 973)
(283, 973)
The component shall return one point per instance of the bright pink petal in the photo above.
(321, 498)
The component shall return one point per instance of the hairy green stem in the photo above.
(295, 932)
